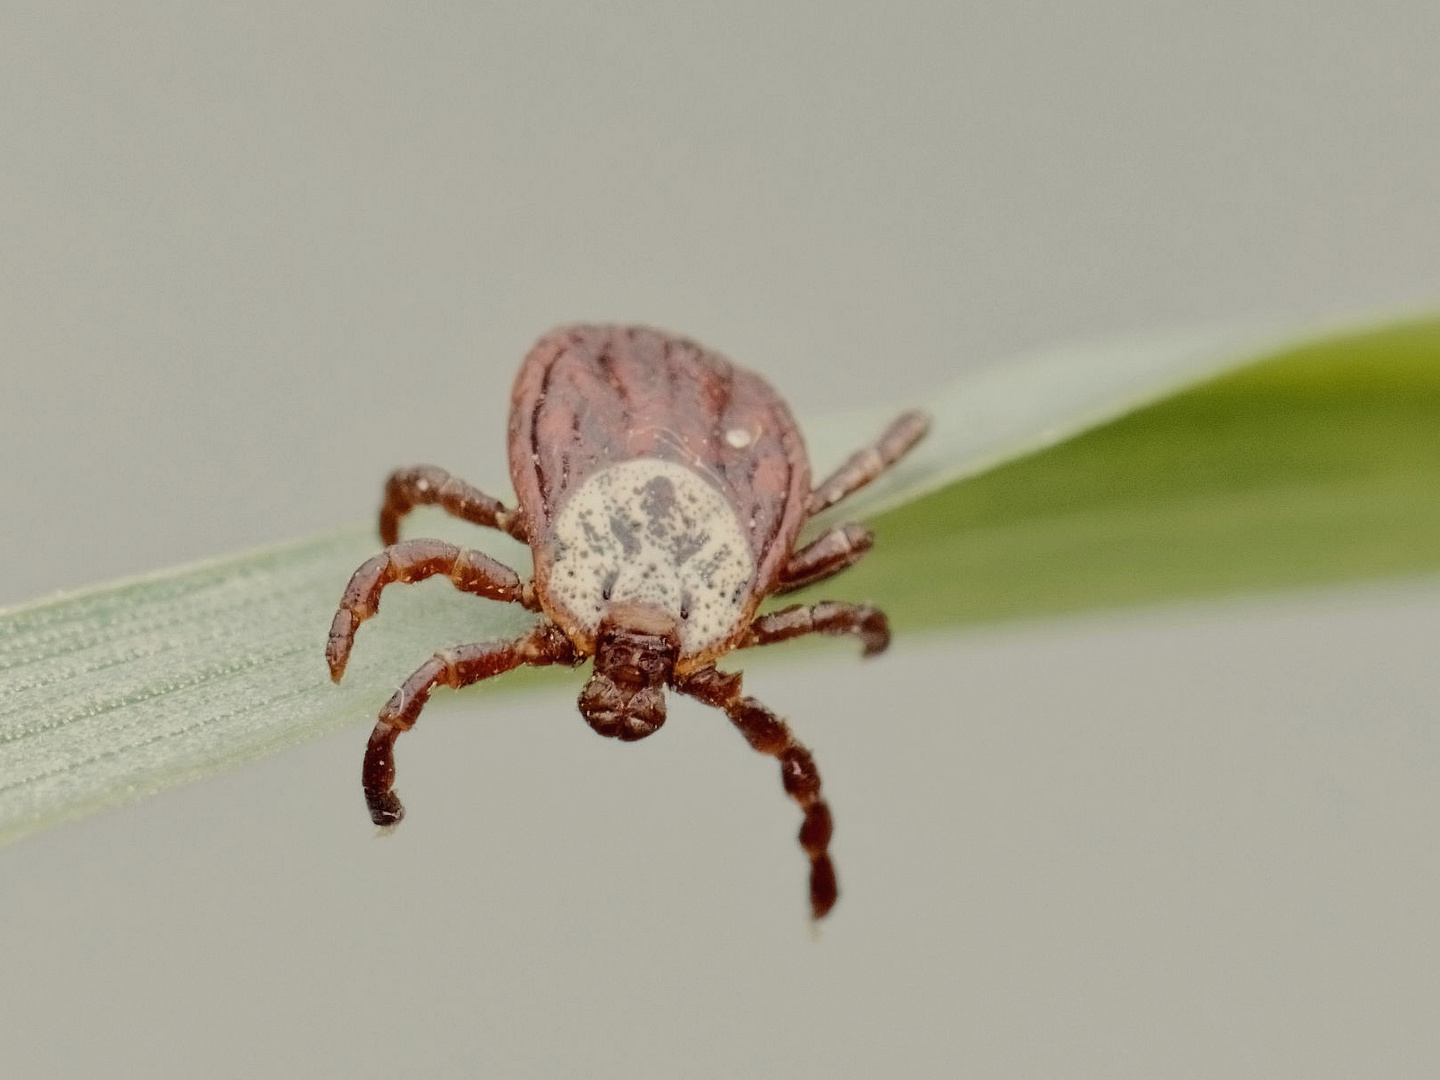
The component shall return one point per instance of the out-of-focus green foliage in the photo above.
(1320, 465)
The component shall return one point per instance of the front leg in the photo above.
(769, 734)
(429, 485)
(457, 667)
(415, 560)
(827, 617)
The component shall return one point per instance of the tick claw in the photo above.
(823, 889)
(337, 645)
(386, 809)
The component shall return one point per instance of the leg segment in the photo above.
(768, 734)
(825, 557)
(428, 485)
(827, 617)
(867, 464)
(457, 667)
(415, 560)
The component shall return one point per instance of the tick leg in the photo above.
(768, 734)
(415, 560)
(827, 617)
(429, 485)
(865, 465)
(825, 557)
(457, 667)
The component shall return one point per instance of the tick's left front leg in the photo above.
(827, 617)
(768, 734)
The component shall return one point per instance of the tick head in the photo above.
(635, 652)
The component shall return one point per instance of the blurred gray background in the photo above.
(255, 256)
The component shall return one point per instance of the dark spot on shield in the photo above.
(624, 530)
(658, 502)
(609, 586)
(707, 569)
(591, 533)
(660, 509)
(687, 544)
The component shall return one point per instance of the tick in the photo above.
(661, 492)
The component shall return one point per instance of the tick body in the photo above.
(661, 491)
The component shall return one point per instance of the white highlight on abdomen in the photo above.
(653, 532)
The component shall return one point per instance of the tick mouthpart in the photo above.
(635, 652)
(620, 713)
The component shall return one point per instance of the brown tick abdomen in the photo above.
(588, 397)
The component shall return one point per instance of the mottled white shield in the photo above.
(653, 532)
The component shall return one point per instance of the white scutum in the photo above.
(653, 532)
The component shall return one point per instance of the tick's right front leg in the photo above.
(457, 667)
(827, 617)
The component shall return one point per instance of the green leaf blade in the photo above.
(1317, 466)
(121, 691)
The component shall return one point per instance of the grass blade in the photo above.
(1317, 464)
